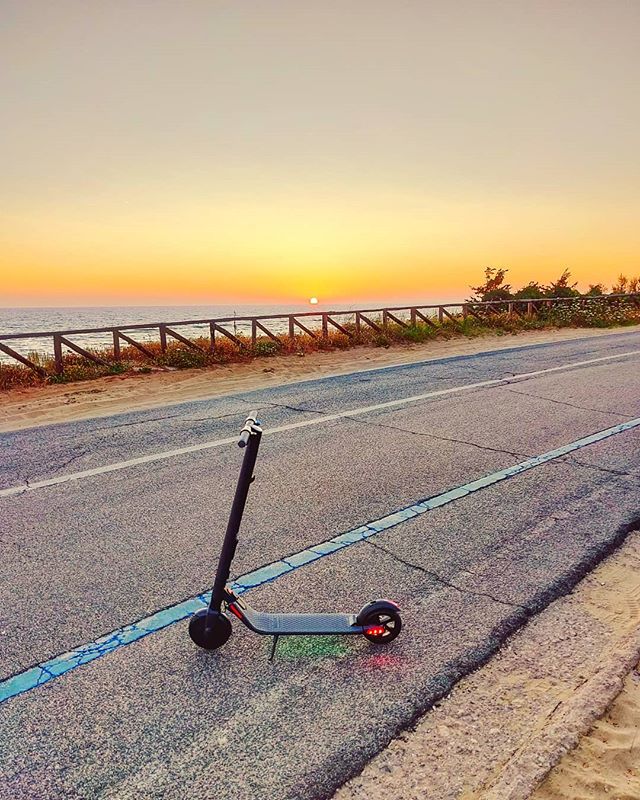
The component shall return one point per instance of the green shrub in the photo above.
(265, 348)
(421, 332)
(594, 314)
(184, 358)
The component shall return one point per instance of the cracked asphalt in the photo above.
(159, 718)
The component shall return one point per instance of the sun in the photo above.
(313, 301)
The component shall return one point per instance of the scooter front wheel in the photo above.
(209, 629)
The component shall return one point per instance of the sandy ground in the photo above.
(501, 730)
(28, 407)
(606, 763)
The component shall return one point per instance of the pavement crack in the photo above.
(444, 581)
(210, 418)
(71, 460)
(138, 422)
(596, 467)
(570, 405)
(294, 408)
(177, 417)
(440, 438)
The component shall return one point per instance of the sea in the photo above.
(31, 320)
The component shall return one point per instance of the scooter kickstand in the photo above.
(273, 647)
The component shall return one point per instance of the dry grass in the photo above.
(179, 356)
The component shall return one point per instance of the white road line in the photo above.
(319, 419)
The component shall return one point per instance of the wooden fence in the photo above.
(375, 318)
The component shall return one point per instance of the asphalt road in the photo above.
(93, 552)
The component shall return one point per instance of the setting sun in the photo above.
(313, 300)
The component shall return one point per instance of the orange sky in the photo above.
(204, 152)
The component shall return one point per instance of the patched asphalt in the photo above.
(159, 718)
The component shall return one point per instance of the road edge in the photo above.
(503, 728)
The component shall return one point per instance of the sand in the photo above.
(606, 763)
(43, 405)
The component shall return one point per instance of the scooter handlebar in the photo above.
(245, 433)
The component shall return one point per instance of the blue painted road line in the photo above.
(53, 668)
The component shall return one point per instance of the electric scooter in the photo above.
(379, 621)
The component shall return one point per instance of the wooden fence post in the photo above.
(212, 336)
(57, 353)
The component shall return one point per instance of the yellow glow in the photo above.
(313, 300)
(341, 250)
(346, 151)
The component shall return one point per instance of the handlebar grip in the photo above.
(245, 433)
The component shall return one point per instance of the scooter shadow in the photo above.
(310, 648)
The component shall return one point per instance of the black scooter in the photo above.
(379, 621)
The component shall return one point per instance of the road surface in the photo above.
(107, 522)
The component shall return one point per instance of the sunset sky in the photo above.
(205, 151)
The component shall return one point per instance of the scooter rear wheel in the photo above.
(209, 629)
(381, 627)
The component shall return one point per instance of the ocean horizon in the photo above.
(58, 318)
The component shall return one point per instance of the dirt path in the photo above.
(28, 407)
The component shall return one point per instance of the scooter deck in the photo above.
(292, 624)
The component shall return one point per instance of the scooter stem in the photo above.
(252, 441)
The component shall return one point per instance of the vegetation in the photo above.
(512, 312)
(494, 287)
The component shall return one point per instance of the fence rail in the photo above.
(403, 316)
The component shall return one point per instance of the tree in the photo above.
(561, 287)
(621, 286)
(624, 285)
(532, 291)
(493, 288)
(596, 290)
